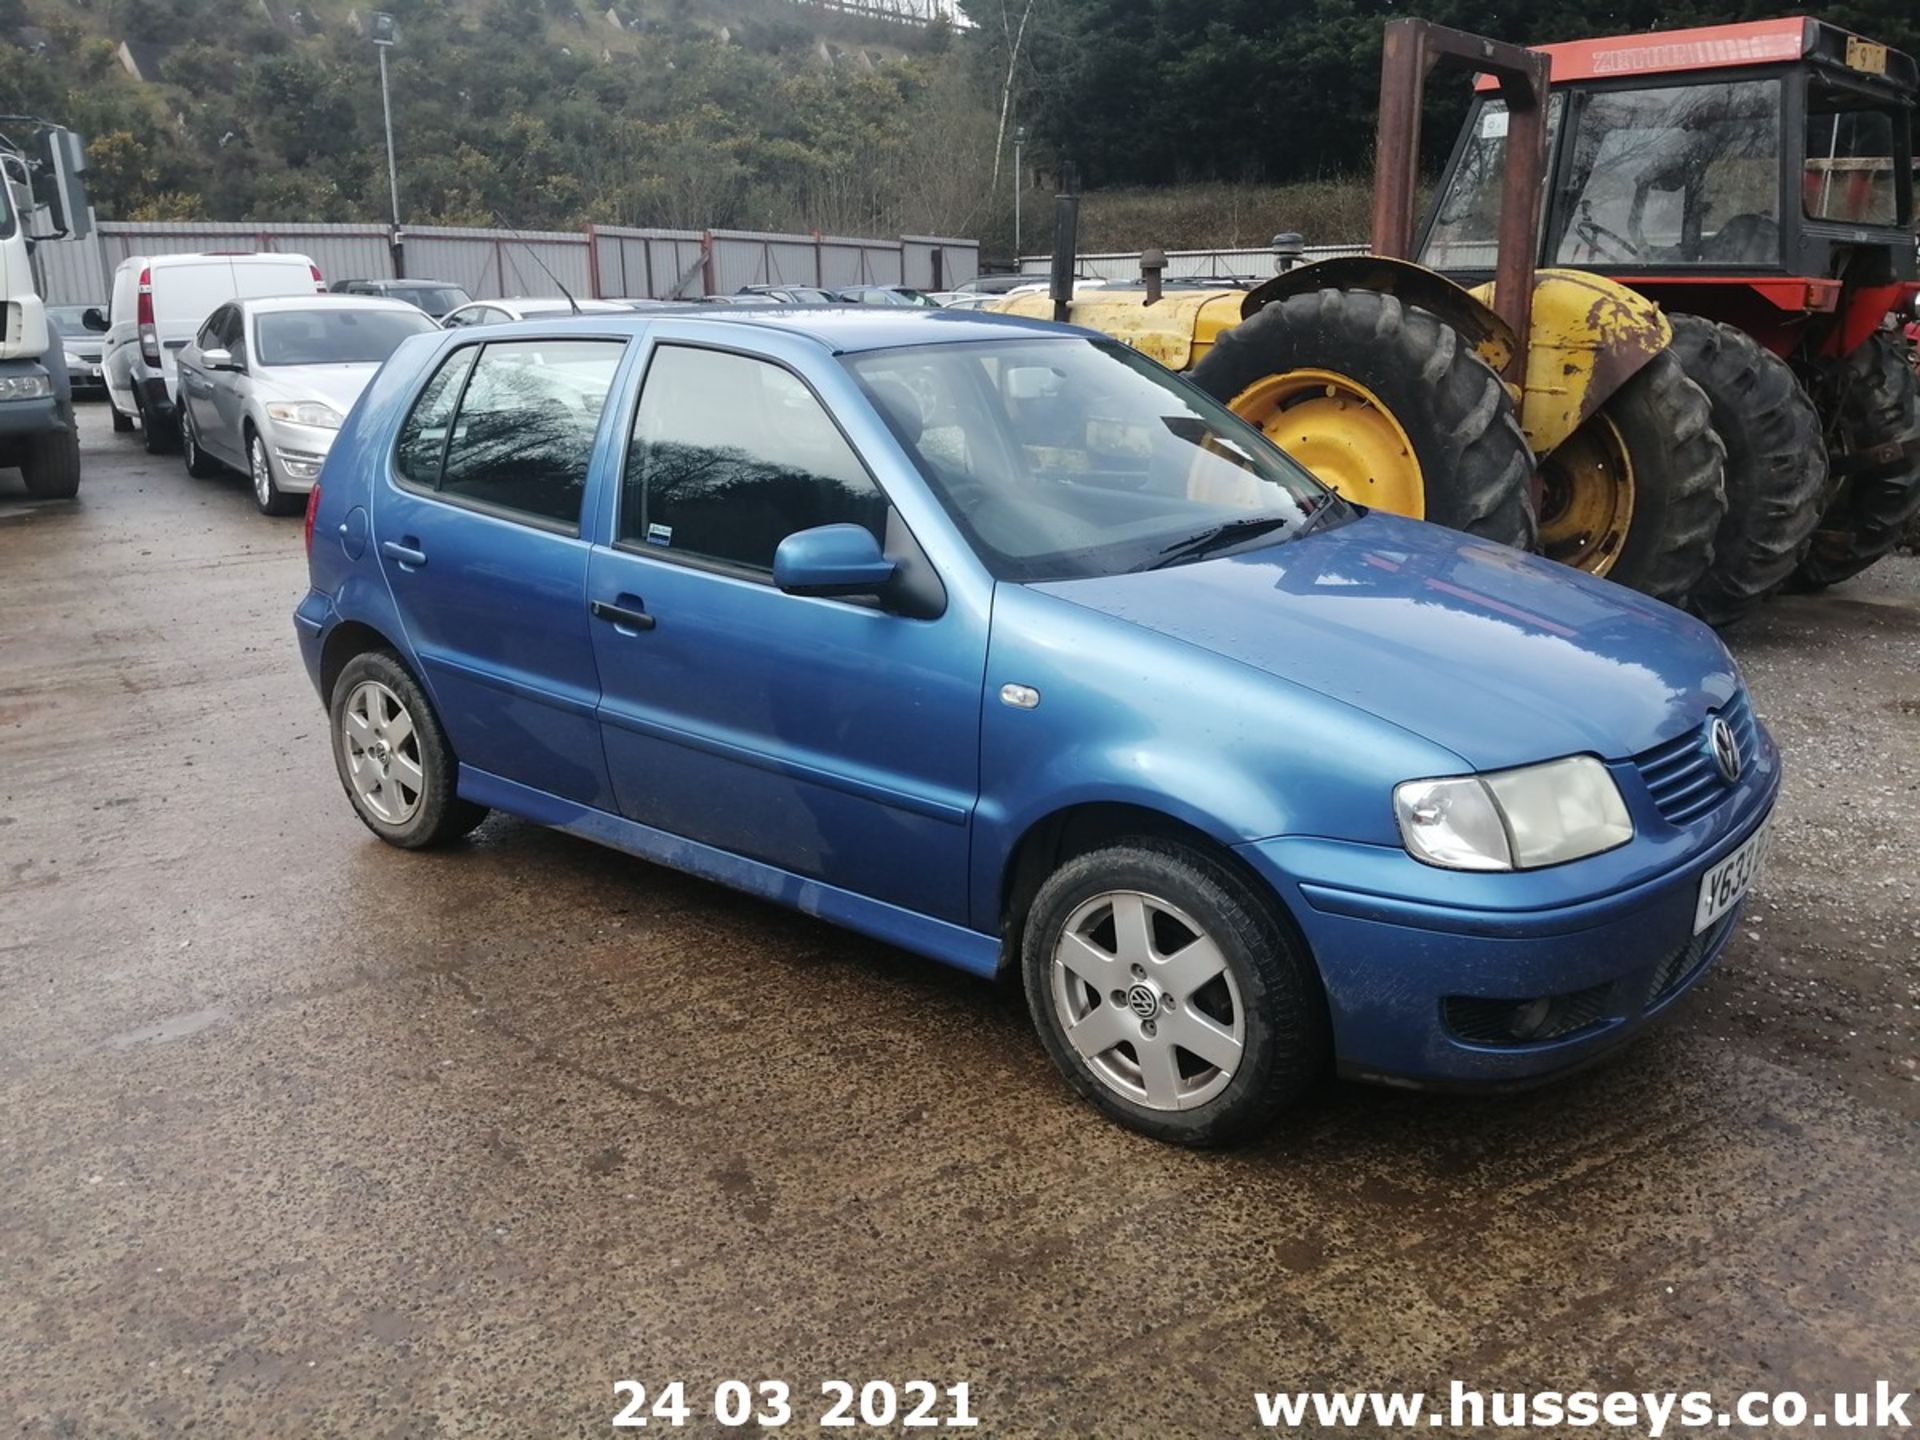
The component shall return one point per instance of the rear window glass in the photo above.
(332, 336)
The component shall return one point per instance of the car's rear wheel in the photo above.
(267, 493)
(156, 435)
(393, 758)
(200, 465)
(1170, 995)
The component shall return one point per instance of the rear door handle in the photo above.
(409, 556)
(621, 615)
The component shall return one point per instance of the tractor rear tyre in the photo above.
(1776, 465)
(1637, 492)
(1385, 403)
(1874, 441)
(50, 465)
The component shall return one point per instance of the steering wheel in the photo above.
(1592, 232)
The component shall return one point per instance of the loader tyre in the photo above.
(1873, 428)
(1658, 427)
(1384, 402)
(1776, 465)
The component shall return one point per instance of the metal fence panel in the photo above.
(959, 261)
(606, 260)
(1183, 264)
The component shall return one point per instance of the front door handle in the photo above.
(408, 556)
(621, 615)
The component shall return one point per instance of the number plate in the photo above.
(1865, 56)
(1723, 885)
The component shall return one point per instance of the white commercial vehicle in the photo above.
(41, 198)
(158, 303)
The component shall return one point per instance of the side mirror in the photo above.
(92, 319)
(831, 560)
(218, 359)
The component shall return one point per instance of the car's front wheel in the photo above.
(267, 493)
(1168, 992)
(393, 757)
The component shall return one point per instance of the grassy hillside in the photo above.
(539, 112)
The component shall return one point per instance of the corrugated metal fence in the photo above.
(602, 261)
(1184, 264)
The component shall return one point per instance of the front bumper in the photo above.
(1397, 969)
(298, 452)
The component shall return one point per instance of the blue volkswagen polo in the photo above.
(998, 642)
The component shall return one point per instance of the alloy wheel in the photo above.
(382, 752)
(1145, 996)
(262, 474)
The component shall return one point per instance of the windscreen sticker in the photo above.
(659, 535)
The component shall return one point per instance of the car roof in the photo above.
(842, 329)
(328, 300)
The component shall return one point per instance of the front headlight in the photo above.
(305, 412)
(1513, 819)
(25, 387)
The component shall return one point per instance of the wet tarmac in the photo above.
(300, 1135)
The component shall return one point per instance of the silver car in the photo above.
(265, 384)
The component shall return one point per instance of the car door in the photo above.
(233, 386)
(478, 533)
(197, 380)
(834, 739)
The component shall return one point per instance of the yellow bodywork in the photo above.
(1177, 331)
(1588, 336)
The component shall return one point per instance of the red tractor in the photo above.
(1756, 181)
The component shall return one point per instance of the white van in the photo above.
(157, 305)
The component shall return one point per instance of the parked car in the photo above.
(437, 297)
(884, 295)
(266, 384)
(996, 641)
(83, 344)
(993, 284)
(524, 307)
(157, 303)
(790, 294)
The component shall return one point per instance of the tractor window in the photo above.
(1466, 226)
(1849, 172)
(1682, 175)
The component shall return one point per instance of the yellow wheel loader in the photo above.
(1544, 409)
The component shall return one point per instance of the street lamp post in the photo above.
(383, 37)
(1019, 184)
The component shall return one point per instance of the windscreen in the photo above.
(1849, 175)
(332, 336)
(1465, 234)
(436, 300)
(1062, 458)
(1677, 175)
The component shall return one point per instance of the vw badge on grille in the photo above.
(1726, 750)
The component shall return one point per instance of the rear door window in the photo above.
(510, 427)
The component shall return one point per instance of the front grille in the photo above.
(1482, 1021)
(1680, 773)
(1673, 971)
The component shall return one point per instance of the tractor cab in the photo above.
(1760, 174)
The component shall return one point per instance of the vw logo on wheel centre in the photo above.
(1726, 750)
(1143, 1002)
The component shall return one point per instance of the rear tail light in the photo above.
(318, 283)
(143, 317)
(313, 508)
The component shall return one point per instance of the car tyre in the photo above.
(1206, 1016)
(267, 493)
(50, 465)
(392, 755)
(200, 465)
(156, 436)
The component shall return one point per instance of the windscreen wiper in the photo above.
(1220, 536)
